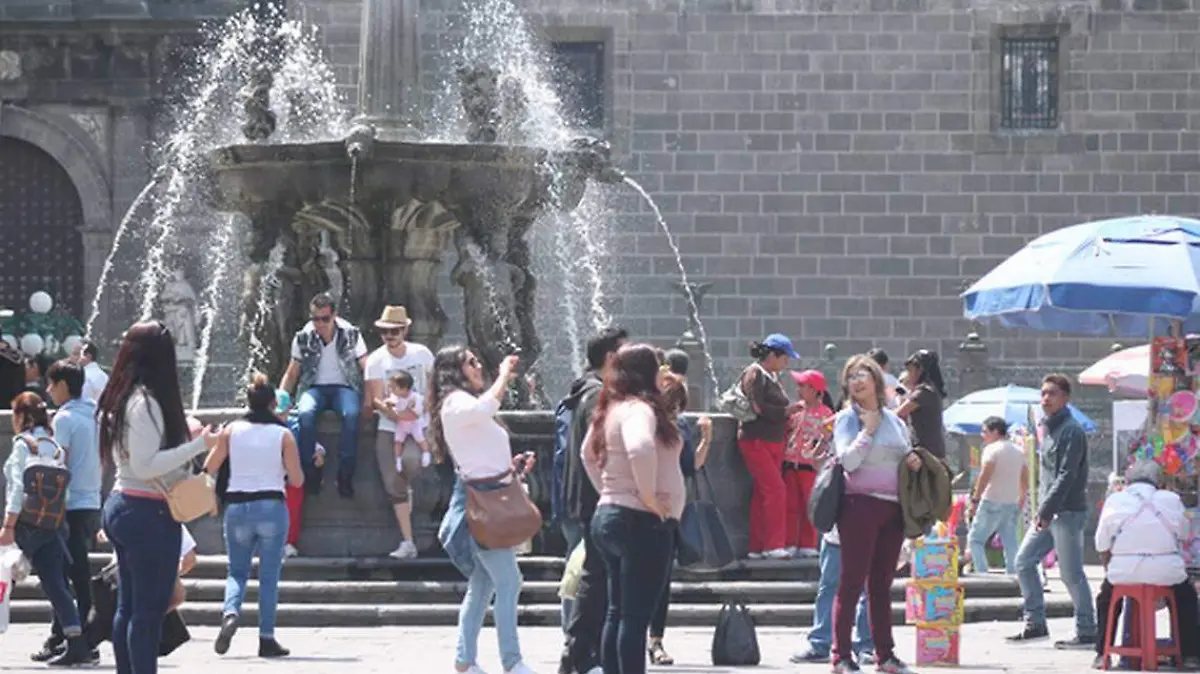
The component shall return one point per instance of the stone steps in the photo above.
(328, 592)
(682, 615)
(533, 592)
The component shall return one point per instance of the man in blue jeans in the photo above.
(1062, 514)
(820, 638)
(328, 358)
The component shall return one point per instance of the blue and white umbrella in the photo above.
(1128, 277)
(1010, 403)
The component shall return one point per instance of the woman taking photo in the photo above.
(144, 434)
(761, 444)
(263, 459)
(463, 426)
(922, 405)
(44, 548)
(631, 453)
(872, 445)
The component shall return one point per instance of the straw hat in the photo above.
(393, 317)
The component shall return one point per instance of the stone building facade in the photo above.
(840, 170)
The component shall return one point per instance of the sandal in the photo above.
(658, 654)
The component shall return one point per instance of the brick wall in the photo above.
(833, 166)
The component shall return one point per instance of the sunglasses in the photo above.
(391, 332)
(322, 319)
(860, 375)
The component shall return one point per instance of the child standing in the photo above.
(805, 445)
(403, 398)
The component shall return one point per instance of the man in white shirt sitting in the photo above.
(1139, 538)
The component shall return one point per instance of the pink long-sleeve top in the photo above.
(637, 464)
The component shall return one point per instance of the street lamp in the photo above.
(38, 332)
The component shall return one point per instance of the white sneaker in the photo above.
(778, 553)
(521, 668)
(406, 551)
(755, 555)
(596, 670)
(806, 553)
(290, 551)
(473, 669)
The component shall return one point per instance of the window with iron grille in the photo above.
(1029, 83)
(579, 73)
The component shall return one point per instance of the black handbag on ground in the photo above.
(735, 641)
(703, 541)
(825, 503)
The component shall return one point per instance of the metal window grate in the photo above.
(580, 74)
(1029, 83)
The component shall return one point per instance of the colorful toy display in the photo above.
(934, 599)
(935, 559)
(937, 646)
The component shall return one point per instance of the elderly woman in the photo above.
(872, 445)
(1138, 537)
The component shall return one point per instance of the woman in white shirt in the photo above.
(463, 425)
(143, 432)
(261, 454)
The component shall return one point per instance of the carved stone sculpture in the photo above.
(479, 87)
(179, 302)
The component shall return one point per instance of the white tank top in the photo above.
(256, 457)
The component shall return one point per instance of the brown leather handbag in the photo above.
(500, 513)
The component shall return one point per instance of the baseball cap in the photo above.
(811, 377)
(778, 342)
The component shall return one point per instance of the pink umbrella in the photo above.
(1126, 372)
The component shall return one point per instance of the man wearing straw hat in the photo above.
(397, 355)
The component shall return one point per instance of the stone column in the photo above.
(388, 68)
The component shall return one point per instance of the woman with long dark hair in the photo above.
(45, 548)
(463, 426)
(922, 406)
(631, 453)
(263, 459)
(144, 435)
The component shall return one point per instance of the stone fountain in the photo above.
(376, 213)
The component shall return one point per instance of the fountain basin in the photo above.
(365, 527)
(459, 175)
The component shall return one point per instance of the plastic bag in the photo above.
(10, 558)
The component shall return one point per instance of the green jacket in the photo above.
(925, 494)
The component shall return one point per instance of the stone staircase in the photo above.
(344, 592)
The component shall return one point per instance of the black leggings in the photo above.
(658, 621)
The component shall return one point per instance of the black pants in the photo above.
(82, 526)
(637, 551)
(1186, 615)
(658, 621)
(591, 602)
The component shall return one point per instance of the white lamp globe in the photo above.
(41, 302)
(32, 344)
(11, 340)
(70, 342)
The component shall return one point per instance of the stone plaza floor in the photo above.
(404, 650)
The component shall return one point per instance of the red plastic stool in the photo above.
(1144, 646)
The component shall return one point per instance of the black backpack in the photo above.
(45, 478)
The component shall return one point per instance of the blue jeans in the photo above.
(497, 575)
(990, 518)
(820, 637)
(146, 540)
(47, 554)
(255, 526)
(348, 405)
(636, 546)
(1065, 537)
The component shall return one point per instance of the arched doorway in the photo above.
(41, 247)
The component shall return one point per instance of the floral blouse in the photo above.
(803, 428)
